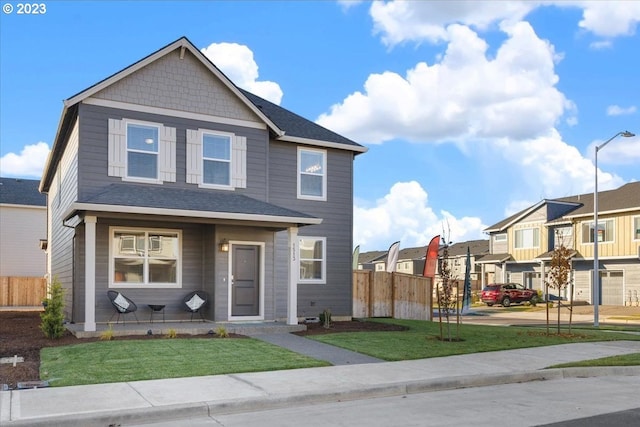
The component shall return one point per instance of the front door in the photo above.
(245, 280)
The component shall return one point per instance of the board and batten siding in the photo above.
(94, 153)
(337, 225)
(623, 244)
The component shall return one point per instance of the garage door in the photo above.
(612, 292)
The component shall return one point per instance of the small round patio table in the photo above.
(154, 309)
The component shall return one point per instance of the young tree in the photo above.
(559, 276)
(53, 316)
(447, 301)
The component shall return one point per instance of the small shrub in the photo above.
(325, 318)
(221, 331)
(171, 333)
(108, 334)
(53, 316)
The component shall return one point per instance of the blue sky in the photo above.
(471, 110)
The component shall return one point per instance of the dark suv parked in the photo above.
(506, 293)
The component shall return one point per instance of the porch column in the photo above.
(294, 272)
(90, 273)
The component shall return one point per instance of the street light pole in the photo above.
(595, 300)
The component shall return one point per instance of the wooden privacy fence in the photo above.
(396, 295)
(22, 291)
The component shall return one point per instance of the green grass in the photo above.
(134, 360)
(632, 359)
(422, 339)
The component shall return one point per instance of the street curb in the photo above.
(206, 409)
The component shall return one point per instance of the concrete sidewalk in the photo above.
(174, 399)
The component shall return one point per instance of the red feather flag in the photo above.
(431, 258)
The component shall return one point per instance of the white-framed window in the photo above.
(312, 259)
(312, 174)
(144, 258)
(527, 238)
(500, 237)
(605, 231)
(216, 159)
(142, 150)
(636, 227)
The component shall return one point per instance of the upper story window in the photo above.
(312, 176)
(144, 258)
(500, 237)
(312, 259)
(527, 238)
(216, 159)
(605, 231)
(636, 228)
(142, 151)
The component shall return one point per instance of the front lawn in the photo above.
(135, 360)
(422, 339)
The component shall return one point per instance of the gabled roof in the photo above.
(625, 198)
(412, 253)
(476, 248)
(15, 191)
(132, 198)
(371, 256)
(283, 124)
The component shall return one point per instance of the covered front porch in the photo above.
(196, 327)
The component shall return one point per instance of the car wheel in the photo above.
(506, 302)
(534, 300)
(489, 304)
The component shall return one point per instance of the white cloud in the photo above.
(609, 18)
(465, 96)
(622, 151)
(236, 62)
(402, 21)
(29, 163)
(404, 214)
(616, 110)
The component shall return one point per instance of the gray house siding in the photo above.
(337, 215)
(94, 149)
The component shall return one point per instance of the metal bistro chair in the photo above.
(194, 301)
(122, 305)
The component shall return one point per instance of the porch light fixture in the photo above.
(596, 273)
(224, 245)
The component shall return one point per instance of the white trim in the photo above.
(173, 113)
(323, 279)
(294, 275)
(187, 213)
(261, 276)
(633, 228)
(13, 205)
(159, 128)
(601, 221)
(324, 144)
(90, 273)
(301, 196)
(145, 284)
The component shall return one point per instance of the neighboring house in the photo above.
(367, 260)
(166, 178)
(411, 260)
(478, 249)
(521, 245)
(23, 228)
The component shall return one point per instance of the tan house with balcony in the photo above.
(521, 245)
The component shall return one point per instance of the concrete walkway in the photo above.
(181, 398)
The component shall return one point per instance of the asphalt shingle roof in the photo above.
(191, 200)
(17, 191)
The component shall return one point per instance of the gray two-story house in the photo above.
(166, 178)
